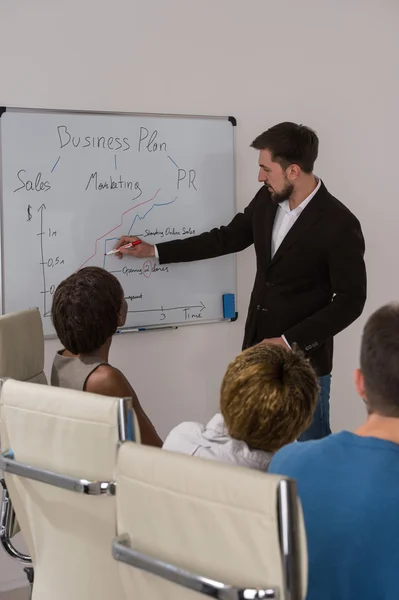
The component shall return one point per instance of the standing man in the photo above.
(310, 282)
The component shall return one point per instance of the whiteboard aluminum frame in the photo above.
(117, 113)
(1, 227)
(20, 109)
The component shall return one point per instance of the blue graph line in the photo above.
(148, 211)
(106, 249)
(131, 227)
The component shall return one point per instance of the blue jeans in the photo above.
(320, 425)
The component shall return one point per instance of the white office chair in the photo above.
(21, 358)
(59, 470)
(22, 346)
(189, 527)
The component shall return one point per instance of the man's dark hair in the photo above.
(379, 361)
(85, 309)
(290, 144)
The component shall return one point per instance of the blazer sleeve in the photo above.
(234, 237)
(349, 285)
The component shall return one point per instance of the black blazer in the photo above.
(313, 287)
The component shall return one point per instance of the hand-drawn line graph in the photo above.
(45, 263)
(137, 217)
(121, 222)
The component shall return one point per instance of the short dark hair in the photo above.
(379, 361)
(85, 309)
(268, 396)
(290, 144)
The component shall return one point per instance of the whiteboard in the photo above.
(73, 183)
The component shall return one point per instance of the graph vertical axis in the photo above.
(41, 234)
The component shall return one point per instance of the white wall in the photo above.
(332, 65)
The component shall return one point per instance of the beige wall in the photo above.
(330, 64)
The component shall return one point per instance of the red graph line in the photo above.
(113, 229)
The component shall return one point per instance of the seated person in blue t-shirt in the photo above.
(349, 482)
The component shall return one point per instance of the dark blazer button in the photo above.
(258, 307)
(269, 284)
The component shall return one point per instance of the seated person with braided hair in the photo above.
(267, 400)
(87, 309)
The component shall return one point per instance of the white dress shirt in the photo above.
(285, 218)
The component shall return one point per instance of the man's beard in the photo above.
(285, 194)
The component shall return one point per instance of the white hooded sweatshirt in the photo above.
(212, 441)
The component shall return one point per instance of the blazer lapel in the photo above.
(310, 215)
(271, 209)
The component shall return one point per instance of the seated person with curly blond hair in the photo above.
(87, 309)
(267, 400)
